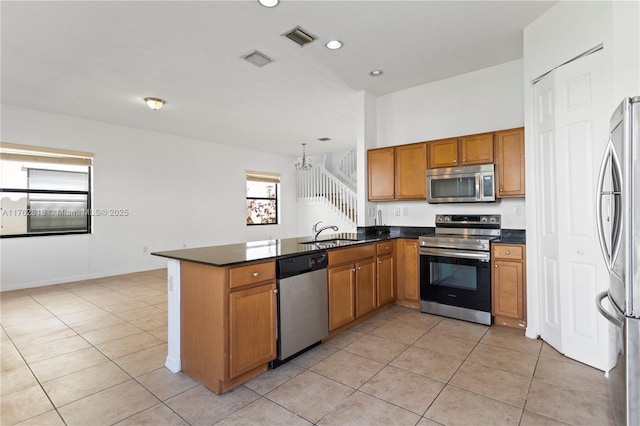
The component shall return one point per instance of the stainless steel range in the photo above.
(455, 272)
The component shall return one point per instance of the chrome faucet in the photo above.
(318, 231)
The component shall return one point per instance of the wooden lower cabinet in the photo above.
(508, 285)
(341, 282)
(408, 281)
(352, 284)
(385, 279)
(365, 278)
(252, 328)
(227, 322)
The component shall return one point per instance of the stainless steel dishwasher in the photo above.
(303, 308)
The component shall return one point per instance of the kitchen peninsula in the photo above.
(222, 303)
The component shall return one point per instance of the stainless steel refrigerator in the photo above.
(618, 213)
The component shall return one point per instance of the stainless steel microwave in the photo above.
(469, 184)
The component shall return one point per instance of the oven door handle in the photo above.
(478, 255)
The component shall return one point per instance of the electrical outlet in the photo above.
(517, 210)
(396, 211)
(370, 212)
(405, 211)
(170, 283)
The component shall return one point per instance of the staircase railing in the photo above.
(317, 184)
(347, 168)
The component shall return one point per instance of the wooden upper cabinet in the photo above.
(510, 163)
(398, 173)
(465, 151)
(411, 169)
(381, 173)
(476, 149)
(443, 153)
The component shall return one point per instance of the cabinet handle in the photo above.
(255, 275)
(414, 246)
(464, 160)
(353, 270)
(455, 161)
(275, 290)
(387, 248)
(507, 252)
(500, 189)
(495, 265)
(359, 268)
(379, 262)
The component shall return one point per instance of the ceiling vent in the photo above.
(300, 36)
(258, 58)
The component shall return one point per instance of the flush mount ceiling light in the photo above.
(376, 73)
(155, 103)
(334, 44)
(304, 164)
(269, 3)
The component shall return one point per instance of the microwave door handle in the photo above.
(599, 218)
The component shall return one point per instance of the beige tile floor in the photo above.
(92, 353)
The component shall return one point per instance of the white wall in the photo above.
(481, 101)
(179, 191)
(564, 32)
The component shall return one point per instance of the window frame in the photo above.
(48, 156)
(269, 178)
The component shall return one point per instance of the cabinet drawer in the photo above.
(252, 273)
(351, 254)
(384, 247)
(503, 251)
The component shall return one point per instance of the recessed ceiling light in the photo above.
(334, 44)
(324, 139)
(155, 103)
(376, 73)
(269, 3)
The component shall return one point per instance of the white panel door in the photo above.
(570, 131)
(581, 137)
(547, 211)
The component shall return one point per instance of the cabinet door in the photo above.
(252, 328)
(381, 173)
(385, 272)
(476, 149)
(411, 168)
(410, 270)
(365, 287)
(508, 289)
(341, 295)
(510, 163)
(443, 153)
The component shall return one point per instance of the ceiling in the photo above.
(98, 60)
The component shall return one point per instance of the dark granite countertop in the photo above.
(512, 236)
(233, 254)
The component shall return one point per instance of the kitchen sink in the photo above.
(335, 242)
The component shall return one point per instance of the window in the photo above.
(44, 191)
(262, 198)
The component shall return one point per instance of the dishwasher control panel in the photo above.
(297, 265)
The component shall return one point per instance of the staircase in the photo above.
(347, 168)
(319, 185)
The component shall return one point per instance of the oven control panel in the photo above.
(468, 220)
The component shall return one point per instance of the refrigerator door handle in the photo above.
(601, 236)
(608, 315)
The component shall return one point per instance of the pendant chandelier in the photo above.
(304, 164)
